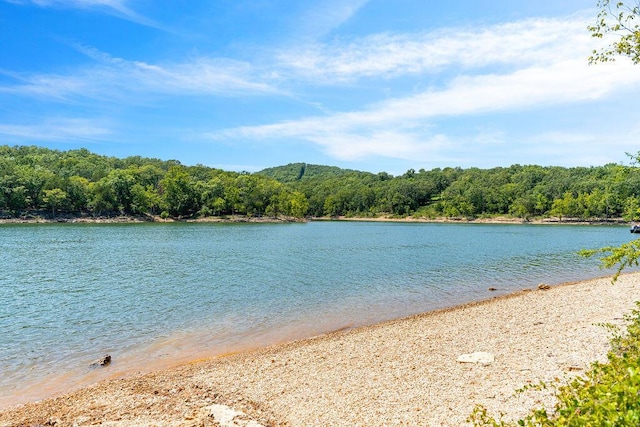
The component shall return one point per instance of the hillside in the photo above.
(303, 171)
(78, 182)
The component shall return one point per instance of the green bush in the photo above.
(608, 395)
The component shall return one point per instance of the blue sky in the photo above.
(375, 85)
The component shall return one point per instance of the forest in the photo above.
(36, 180)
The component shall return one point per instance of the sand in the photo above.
(399, 373)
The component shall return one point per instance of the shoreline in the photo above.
(131, 219)
(355, 377)
(491, 220)
(39, 218)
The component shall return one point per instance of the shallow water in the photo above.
(153, 295)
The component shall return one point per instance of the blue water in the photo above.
(155, 294)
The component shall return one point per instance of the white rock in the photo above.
(481, 357)
(226, 416)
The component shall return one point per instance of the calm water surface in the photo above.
(152, 295)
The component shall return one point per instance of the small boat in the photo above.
(635, 228)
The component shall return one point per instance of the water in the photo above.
(152, 295)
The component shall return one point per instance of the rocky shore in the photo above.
(125, 219)
(426, 370)
(45, 218)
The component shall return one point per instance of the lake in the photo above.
(153, 295)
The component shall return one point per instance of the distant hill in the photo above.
(302, 171)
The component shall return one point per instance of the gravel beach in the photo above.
(399, 373)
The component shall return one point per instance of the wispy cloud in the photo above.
(118, 5)
(511, 46)
(115, 7)
(53, 86)
(199, 76)
(533, 41)
(118, 79)
(57, 129)
(512, 68)
(516, 67)
(535, 87)
(325, 16)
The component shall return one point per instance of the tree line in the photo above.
(80, 182)
(586, 193)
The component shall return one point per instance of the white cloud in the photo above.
(512, 46)
(396, 128)
(534, 41)
(45, 85)
(385, 143)
(516, 67)
(535, 87)
(118, 79)
(58, 129)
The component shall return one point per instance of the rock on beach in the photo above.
(102, 362)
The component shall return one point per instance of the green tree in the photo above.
(144, 200)
(621, 20)
(567, 206)
(101, 197)
(523, 207)
(77, 189)
(219, 206)
(54, 199)
(121, 181)
(33, 179)
(232, 197)
(331, 206)
(211, 193)
(17, 200)
(457, 206)
(6, 187)
(632, 209)
(298, 205)
(596, 204)
(178, 192)
(541, 204)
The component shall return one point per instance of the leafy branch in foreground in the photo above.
(622, 20)
(625, 255)
(608, 395)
